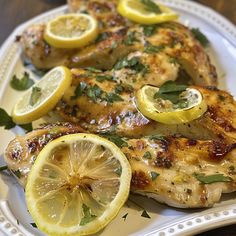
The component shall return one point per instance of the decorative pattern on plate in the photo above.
(218, 216)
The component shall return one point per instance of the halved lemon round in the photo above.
(145, 11)
(71, 31)
(43, 96)
(77, 185)
(164, 111)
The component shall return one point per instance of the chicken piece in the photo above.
(117, 39)
(158, 165)
(105, 101)
(23, 150)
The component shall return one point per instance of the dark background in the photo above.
(15, 12)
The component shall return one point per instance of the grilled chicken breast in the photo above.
(180, 172)
(117, 39)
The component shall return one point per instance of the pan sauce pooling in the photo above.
(182, 172)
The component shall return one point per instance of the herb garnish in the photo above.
(2, 168)
(117, 140)
(101, 78)
(153, 49)
(149, 30)
(147, 155)
(145, 214)
(130, 39)
(35, 95)
(21, 84)
(209, 179)
(92, 69)
(103, 36)
(154, 175)
(113, 97)
(79, 90)
(17, 173)
(125, 216)
(171, 91)
(200, 37)
(133, 64)
(118, 171)
(120, 88)
(88, 216)
(34, 225)
(7, 122)
(157, 137)
(151, 6)
(94, 92)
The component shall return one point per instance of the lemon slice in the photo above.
(77, 185)
(164, 111)
(43, 96)
(145, 11)
(71, 31)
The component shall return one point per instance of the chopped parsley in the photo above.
(103, 36)
(153, 49)
(149, 30)
(88, 216)
(34, 225)
(117, 140)
(147, 155)
(113, 97)
(17, 173)
(171, 91)
(133, 64)
(200, 37)
(118, 171)
(94, 93)
(145, 214)
(35, 95)
(79, 90)
(2, 168)
(92, 69)
(7, 122)
(120, 88)
(130, 39)
(154, 175)
(157, 137)
(22, 83)
(151, 6)
(125, 216)
(101, 78)
(209, 179)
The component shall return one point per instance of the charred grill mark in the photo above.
(220, 149)
(220, 120)
(139, 180)
(163, 160)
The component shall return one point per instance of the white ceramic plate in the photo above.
(14, 218)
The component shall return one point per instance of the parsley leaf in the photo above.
(171, 91)
(209, 179)
(125, 216)
(145, 214)
(151, 6)
(101, 78)
(149, 30)
(133, 64)
(21, 84)
(130, 39)
(34, 225)
(35, 95)
(117, 140)
(113, 97)
(3, 168)
(6, 120)
(88, 216)
(157, 137)
(92, 69)
(154, 175)
(200, 37)
(103, 36)
(147, 155)
(79, 90)
(94, 93)
(153, 49)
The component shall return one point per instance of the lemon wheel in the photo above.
(71, 31)
(77, 185)
(43, 96)
(164, 111)
(145, 11)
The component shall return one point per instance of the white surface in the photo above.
(164, 220)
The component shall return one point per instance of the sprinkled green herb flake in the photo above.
(200, 37)
(35, 95)
(17, 173)
(88, 216)
(154, 175)
(151, 6)
(92, 69)
(153, 49)
(125, 216)
(147, 155)
(21, 84)
(130, 39)
(34, 225)
(209, 179)
(145, 214)
(103, 36)
(6, 120)
(149, 30)
(101, 78)
(2, 168)
(94, 93)
(80, 89)
(113, 97)
(117, 140)
(118, 171)
(157, 137)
